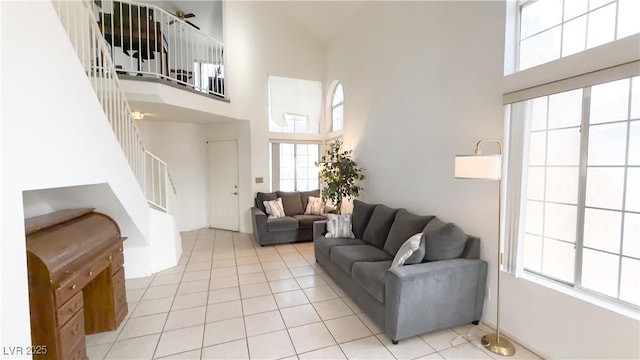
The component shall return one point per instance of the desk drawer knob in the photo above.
(76, 329)
(110, 257)
(120, 249)
(74, 286)
(75, 307)
(90, 273)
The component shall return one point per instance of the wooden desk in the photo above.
(76, 280)
(134, 29)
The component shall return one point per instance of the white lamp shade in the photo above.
(488, 167)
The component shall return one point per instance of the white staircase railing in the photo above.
(147, 41)
(78, 20)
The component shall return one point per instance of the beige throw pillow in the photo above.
(406, 250)
(339, 226)
(314, 206)
(274, 208)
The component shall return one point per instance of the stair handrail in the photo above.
(93, 53)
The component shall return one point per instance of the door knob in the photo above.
(234, 193)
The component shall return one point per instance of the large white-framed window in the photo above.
(293, 166)
(337, 108)
(552, 29)
(579, 209)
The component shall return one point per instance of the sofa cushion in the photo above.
(292, 202)
(324, 244)
(418, 256)
(314, 206)
(286, 223)
(260, 197)
(306, 221)
(360, 217)
(370, 275)
(346, 256)
(443, 240)
(304, 196)
(379, 225)
(404, 226)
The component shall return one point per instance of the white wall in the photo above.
(423, 82)
(182, 146)
(54, 134)
(261, 42)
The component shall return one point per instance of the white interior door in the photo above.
(223, 184)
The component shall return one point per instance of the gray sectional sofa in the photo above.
(296, 226)
(441, 285)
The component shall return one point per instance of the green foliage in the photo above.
(340, 175)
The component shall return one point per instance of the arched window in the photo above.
(337, 108)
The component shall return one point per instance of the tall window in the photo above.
(551, 29)
(294, 105)
(337, 108)
(293, 166)
(581, 181)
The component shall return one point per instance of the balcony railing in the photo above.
(145, 40)
(94, 54)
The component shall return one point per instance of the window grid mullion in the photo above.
(582, 185)
(544, 190)
(624, 182)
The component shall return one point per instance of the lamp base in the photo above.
(503, 347)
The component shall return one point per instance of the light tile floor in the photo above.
(229, 298)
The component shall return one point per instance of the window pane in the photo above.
(286, 149)
(558, 259)
(600, 272)
(601, 26)
(629, 284)
(560, 222)
(628, 23)
(574, 35)
(537, 146)
(604, 187)
(338, 95)
(535, 183)
(573, 8)
(565, 109)
(538, 110)
(602, 229)
(593, 4)
(540, 49)
(533, 252)
(634, 143)
(608, 144)
(287, 185)
(534, 216)
(635, 97)
(540, 15)
(609, 102)
(633, 190)
(631, 235)
(564, 147)
(562, 185)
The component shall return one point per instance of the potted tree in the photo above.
(340, 175)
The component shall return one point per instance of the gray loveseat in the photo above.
(296, 226)
(412, 299)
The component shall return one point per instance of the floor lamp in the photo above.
(488, 167)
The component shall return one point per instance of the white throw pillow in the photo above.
(314, 206)
(339, 226)
(274, 208)
(406, 250)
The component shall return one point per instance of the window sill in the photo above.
(621, 309)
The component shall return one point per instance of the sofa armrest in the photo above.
(259, 219)
(319, 229)
(423, 297)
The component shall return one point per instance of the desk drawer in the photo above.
(79, 352)
(116, 257)
(70, 308)
(78, 281)
(71, 334)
